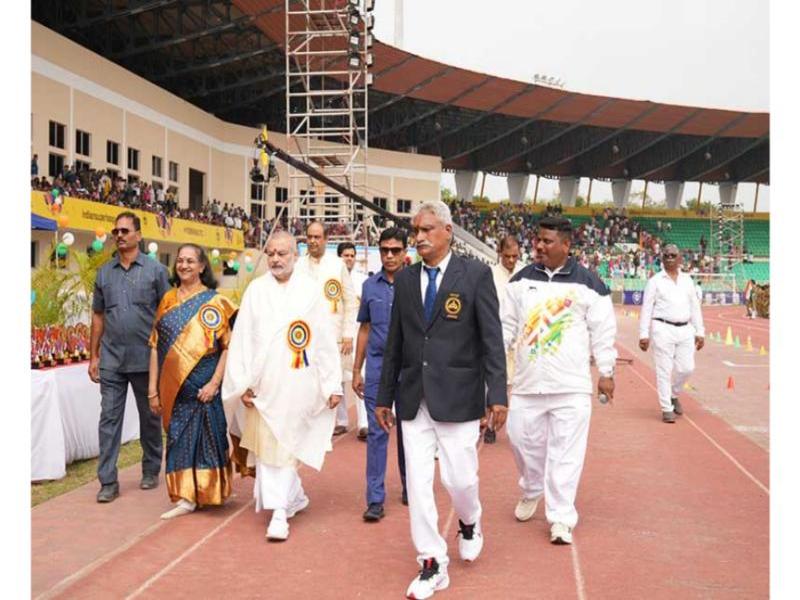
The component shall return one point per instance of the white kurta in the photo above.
(291, 401)
(343, 311)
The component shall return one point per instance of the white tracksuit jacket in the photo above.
(554, 322)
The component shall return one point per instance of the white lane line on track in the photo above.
(724, 452)
(202, 541)
(576, 569)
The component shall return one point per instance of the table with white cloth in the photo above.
(65, 412)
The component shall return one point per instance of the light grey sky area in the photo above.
(710, 53)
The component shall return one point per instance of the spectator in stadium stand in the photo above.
(35, 166)
(556, 316)
(446, 338)
(374, 315)
(672, 318)
(507, 266)
(127, 291)
(347, 252)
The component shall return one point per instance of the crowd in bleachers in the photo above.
(608, 242)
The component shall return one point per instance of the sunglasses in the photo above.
(120, 231)
(670, 255)
(386, 251)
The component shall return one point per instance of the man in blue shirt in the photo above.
(374, 314)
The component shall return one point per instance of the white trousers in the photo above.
(673, 353)
(276, 488)
(548, 434)
(458, 471)
(349, 399)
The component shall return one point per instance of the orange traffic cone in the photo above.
(729, 337)
(762, 352)
(730, 385)
(749, 346)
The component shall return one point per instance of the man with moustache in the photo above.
(336, 288)
(443, 363)
(127, 291)
(672, 318)
(282, 383)
(374, 315)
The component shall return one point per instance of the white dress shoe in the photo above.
(183, 507)
(278, 529)
(526, 507)
(299, 506)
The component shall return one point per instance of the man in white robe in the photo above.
(282, 383)
(335, 287)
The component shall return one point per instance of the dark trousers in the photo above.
(377, 447)
(113, 393)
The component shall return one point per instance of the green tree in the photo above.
(447, 194)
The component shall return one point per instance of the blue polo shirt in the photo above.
(377, 296)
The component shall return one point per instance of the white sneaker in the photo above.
(432, 578)
(526, 507)
(560, 534)
(297, 507)
(470, 541)
(278, 529)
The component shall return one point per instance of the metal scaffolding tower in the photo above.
(726, 243)
(328, 55)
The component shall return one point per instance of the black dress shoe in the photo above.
(108, 492)
(404, 499)
(676, 406)
(149, 482)
(489, 436)
(374, 512)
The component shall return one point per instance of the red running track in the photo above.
(666, 511)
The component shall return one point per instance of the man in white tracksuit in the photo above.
(672, 318)
(556, 315)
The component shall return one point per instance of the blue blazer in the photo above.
(457, 361)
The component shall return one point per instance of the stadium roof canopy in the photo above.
(227, 58)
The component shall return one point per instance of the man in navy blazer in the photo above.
(444, 362)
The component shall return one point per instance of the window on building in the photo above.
(281, 195)
(55, 165)
(173, 171)
(403, 206)
(133, 159)
(112, 152)
(258, 207)
(113, 174)
(133, 178)
(257, 192)
(258, 210)
(157, 166)
(57, 135)
(380, 202)
(82, 142)
(82, 165)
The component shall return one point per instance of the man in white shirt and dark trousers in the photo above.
(671, 317)
(556, 315)
(443, 363)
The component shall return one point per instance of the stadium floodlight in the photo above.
(625, 171)
(354, 3)
(355, 39)
(354, 18)
(370, 20)
(354, 60)
(524, 140)
(369, 5)
(370, 78)
(369, 59)
(370, 40)
(615, 149)
(707, 155)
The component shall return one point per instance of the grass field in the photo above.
(81, 472)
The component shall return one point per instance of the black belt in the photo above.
(671, 322)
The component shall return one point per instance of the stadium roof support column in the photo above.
(621, 192)
(568, 190)
(517, 186)
(465, 184)
(674, 192)
(727, 193)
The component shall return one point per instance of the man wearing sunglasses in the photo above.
(374, 315)
(127, 291)
(671, 318)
